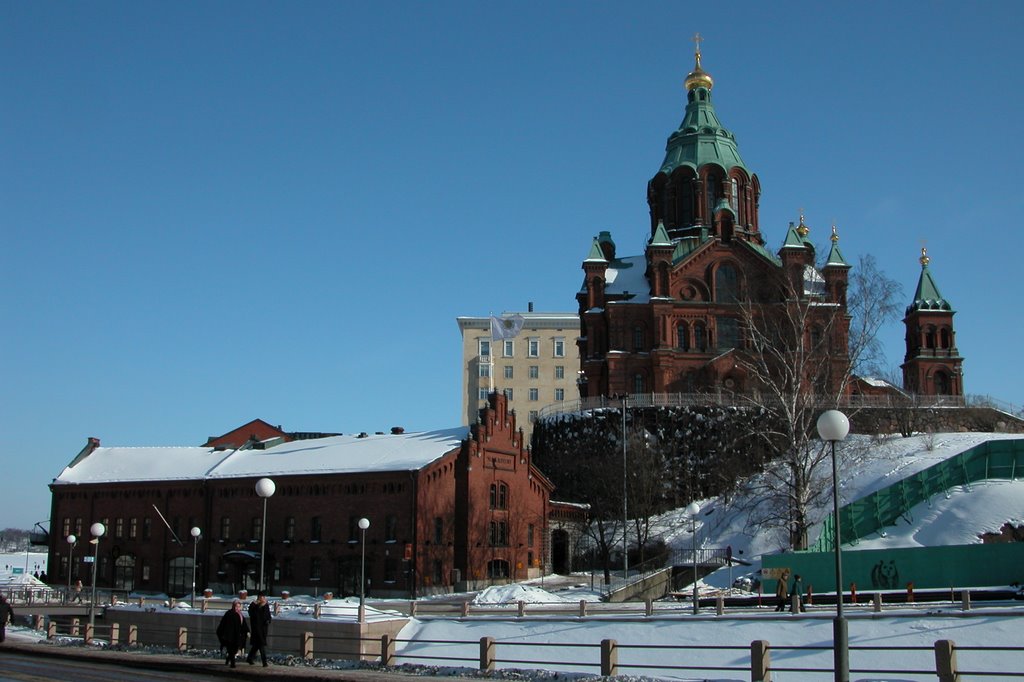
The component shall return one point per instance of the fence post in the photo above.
(307, 646)
(387, 650)
(853, 593)
(760, 661)
(412, 609)
(945, 661)
(910, 592)
(487, 654)
(115, 632)
(810, 594)
(317, 609)
(206, 603)
(74, 627)
(648, 606)
(88, 633)
(583, 608)
(794, 604)
(966, 595)
(51, 630)
(465, 609)
(878, 602)
(522, 608)
(37, 624)
(720, 605)
(133, 635)
(609, 658)
(182, 638)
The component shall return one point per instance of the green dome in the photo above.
(701, 138)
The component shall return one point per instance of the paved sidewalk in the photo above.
(196, 665)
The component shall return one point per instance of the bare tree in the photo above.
(799, 358)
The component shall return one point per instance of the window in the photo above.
(529, 535)
(508, 394)
(147, 528)
(315, 529)
(726, 284)
(499, 496)
(508, 371)
(438, 572)
(484, 347)
(78, 526)
(508, 348)
(700, 337)
(497, 568)
(133, 528)
(499, 534)
(390, 569)
(559, 394)
(639, 385)
(225, 527)
(257, 528)
(482, 393)
(534, 394)
(438, 530)
(533, 416)
(559, 371)
(484, 370)
(559, 344)
(534, 372)
(683, 336)
(288, 568)
(638, 338)
(734, 198)
(66, 526)
(289, 528)
(390, 528)
(533, 347)
(119, 528)
(314, 568)
(728, 333)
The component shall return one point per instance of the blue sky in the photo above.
(213, 212)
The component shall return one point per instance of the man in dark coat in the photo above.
(781, 592)
(6, 613)
(232, 631)
(259, 627)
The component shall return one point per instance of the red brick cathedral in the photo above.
(678, 318)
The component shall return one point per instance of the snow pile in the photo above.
(513, 594)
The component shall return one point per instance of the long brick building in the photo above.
(449, 509)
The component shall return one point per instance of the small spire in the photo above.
(835, 234)
(924, 260)
(802, 228)
(698, 78)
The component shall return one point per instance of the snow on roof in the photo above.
(336, 454)
(628, 274)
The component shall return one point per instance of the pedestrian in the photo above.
(6, 613)
(781, 591)
(795, 595)
(78, 591)
(259, 627)
(232, 632)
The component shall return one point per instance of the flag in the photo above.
(506, 326)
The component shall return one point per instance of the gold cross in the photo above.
(697, 41)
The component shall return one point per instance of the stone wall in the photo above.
(906, 420)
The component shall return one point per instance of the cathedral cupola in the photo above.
(703, 188)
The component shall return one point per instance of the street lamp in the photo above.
(72, 541)
(693, 509)
(625, 497)
(97, 530)
(264, 488)
(833, 426)
(364, 523)
(196, 532)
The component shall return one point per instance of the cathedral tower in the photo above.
(932, 365)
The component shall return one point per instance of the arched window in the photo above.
(124, 572)
(929, 338)
(683, 336)
(497, 568)
(700, 337)
(638, 339)
(944, 338)
(943, 385)
(712, 190)
(499, 496)
(734, 197)
(726, 284)
(728, 333)
(639, 385)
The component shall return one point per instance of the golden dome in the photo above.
(802, 228)
(835, 234)
(698, 78)
(924, 259)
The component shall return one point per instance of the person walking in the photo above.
(78, 591)
(232, 631)
(795, 595)
(782, 591)
(259, 628)
(6, 613)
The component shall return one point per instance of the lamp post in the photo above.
(72, 541)
(364, 523)
(833, 426)
(264, 488)
(625, 498)
(196, 532)
(693, 509)
(97, 530)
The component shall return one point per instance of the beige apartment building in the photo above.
(535, 368)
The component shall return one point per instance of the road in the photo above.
(23, 668)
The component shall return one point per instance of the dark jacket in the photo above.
(232, 631)
(6, 612)
(259, 623)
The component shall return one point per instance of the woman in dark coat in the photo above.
(232, 632)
